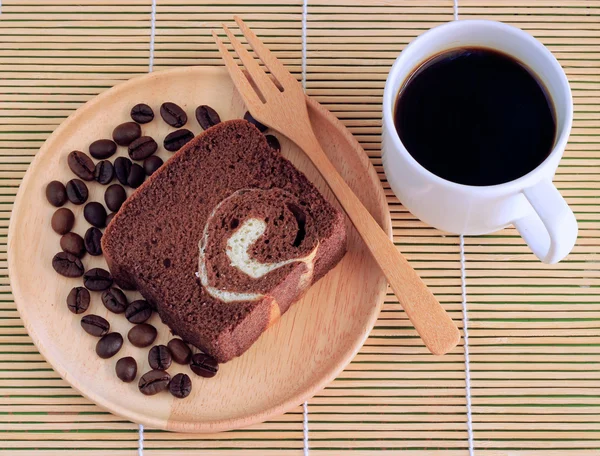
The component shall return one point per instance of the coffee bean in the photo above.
(114, 300)
(126, 369)
(77, 191)
(104, 172)
(151, 164)
(126, 133)
(97, 279)
(63, 220)
(109, 345)
(136, 176)
(103, 148)
(122, 169)
(173, 114)
(254, 122)
(142, 335)
(159, 357)
(154, 382)
(207, 117)
(114, 197)
(95, 214)
(67, 265)
(177, 139)
(180, 351)
(204, 365)
(95, 324)
(138, 311)
(56, 193)
(81, 165)
(109, 217)
(142, 113)
(72, 243)
(78, 300)
(142, 148)
(273, 142)
(91, 240)
(180, 386)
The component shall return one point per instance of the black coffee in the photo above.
(475, 116)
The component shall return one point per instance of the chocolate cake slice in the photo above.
(224, 238)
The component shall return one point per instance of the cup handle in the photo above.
(551, 230)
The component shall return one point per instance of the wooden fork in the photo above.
(284, 109)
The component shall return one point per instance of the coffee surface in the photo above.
(475, 116)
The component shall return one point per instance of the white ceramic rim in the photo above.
(527, 180)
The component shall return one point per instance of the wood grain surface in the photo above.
(534, 329)
(291, 361)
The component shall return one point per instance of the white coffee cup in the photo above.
(531, 203)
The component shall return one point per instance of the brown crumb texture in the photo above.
(152, 242)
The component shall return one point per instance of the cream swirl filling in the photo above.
(238, 246)
(241, 241)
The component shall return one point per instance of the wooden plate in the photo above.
(293, 360)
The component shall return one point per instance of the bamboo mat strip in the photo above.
(150, 69)
(534, 330)
(305, 420)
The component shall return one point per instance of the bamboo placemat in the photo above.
(534, 330)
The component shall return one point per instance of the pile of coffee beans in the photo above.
(140, 148)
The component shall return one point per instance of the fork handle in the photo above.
(434, 325)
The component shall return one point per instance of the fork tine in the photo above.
(258, 75)
(239, 79)
(276, 68)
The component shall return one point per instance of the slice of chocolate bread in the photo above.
(224, 238)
